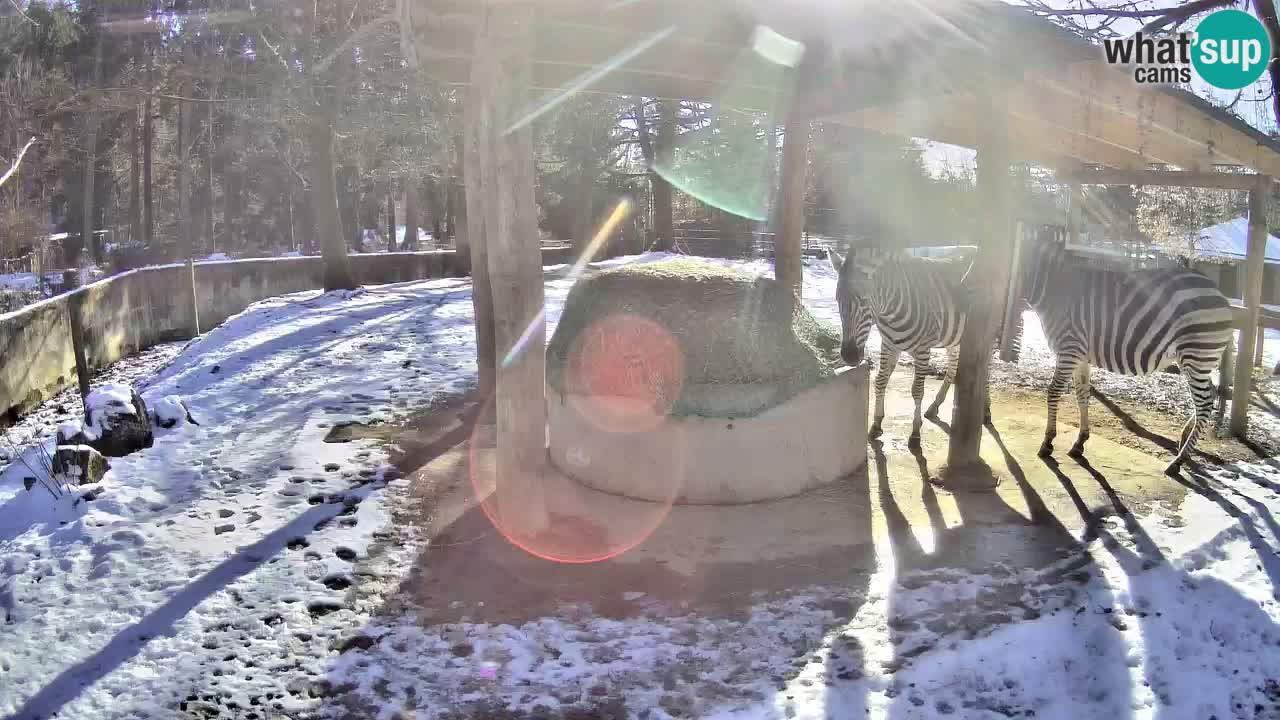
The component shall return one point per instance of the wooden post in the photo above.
(1013, 304)
(1252, 294)
(1075, 214)
(75, 318)
(477, 260)
(990, 283)
(195, 300)
(501, 75)
(1260, 338)
(787, 244)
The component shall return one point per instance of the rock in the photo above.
(79, 464)
(116, 421)
(170, 412)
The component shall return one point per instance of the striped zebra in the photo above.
(917, 304)
(1128, 322)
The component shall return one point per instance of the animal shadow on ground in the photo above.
(1026, 567)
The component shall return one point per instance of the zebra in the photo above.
(1127, 322)
(918, 304)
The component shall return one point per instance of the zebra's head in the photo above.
(1043, 255)
(853, 273)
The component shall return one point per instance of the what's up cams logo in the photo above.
(1229, 49)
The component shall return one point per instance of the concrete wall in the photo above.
(132, 311)
(812, 439)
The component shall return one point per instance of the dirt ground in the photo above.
(1149, 431)
(889, 520)
(720, 560)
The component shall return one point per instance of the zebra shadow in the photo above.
(959, 582)
(1168, 444)
(1171, 601)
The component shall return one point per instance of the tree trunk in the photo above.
(135, 179)
(148, 208)
(186, 228)
(503, 65)
(461, 235)
(664, 224)
(88, 179)
(209, 197)
(324, 203)
(410, 243)
(391, 216)
(788, 243)
(1267, 13)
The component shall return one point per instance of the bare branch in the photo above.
(1183, 13)
(14, 168)
(23, 13)
(355, 37)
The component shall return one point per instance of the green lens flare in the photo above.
(727, 165)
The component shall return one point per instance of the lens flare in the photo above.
(626, 372)
(620, 212)
(583, 525)
(728, 164)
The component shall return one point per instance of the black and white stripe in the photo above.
(1128, 322)
(917, 304)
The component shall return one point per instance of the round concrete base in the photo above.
(810, 440)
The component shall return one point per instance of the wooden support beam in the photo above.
(1075, 215)
(1168, 178)
(1243, 385)
(990, 284)
(514, 256)
(788, 243)
(1013, 304)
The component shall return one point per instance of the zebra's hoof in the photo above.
(875, 431)
(1076, 451)
(1046, 449)
(1174, 469)
(932, 412)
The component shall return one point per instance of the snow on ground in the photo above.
(1151, 619)
(233, 539)
(214, 573)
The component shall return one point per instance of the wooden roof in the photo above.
(922, 68)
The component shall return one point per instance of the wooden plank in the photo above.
(1252, 295)
(1168, 178)
(1171, 121)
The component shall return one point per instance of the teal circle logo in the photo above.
(1231, 49)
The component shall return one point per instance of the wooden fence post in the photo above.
(75, 318)
(1252, 295)
(195, 300)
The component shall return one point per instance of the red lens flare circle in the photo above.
(625, 373)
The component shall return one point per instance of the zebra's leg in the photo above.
(921, 358)
(1057, 388)
(953, 359)
(1080, 379)
(1201, 385)
(888, 358)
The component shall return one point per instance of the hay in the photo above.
(742, 352)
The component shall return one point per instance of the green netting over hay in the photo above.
(743, 352)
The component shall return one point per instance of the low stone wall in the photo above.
(132, 311)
